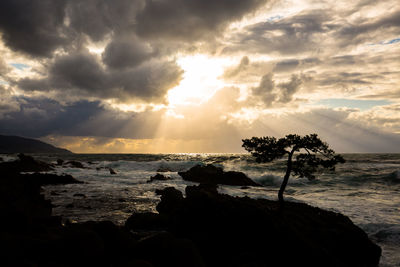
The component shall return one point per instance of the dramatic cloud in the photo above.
(33, 27)
(269, 92)
(199, 75)
(191, 20)
(83, 72)
(127, 52)
(42, 117)
(286, 36)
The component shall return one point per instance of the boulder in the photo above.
(146, 221)
(111, 170)
(159, 177)
(210, 174)
(164, 169)
(24, 163)
(60, 162)
(165, 249)
(75, 164)
(239, 231)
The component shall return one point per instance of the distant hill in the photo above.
(16, 144)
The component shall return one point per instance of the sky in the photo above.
(198, 76)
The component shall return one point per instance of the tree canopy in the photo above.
(311, 154)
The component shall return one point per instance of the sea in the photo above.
(366, 188)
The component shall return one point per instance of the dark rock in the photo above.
(54, 193)
(121, 200)
(1, 159)
(24, 164)
(146, 221)
(210, 174)
(70, 205)
(164, 169)
(75, 164)
(171, 200)
(60, 162)
(158, 177)
(80, 195)
(111, 170)
(169, 251)
(233, 231)
(51, 179)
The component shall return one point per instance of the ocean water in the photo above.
(366, 188)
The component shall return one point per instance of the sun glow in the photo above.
(200, 80)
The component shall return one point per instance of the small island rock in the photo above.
(210, 174)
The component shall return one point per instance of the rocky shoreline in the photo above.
(204, 228)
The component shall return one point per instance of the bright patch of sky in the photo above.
(274, 18)
(20, 66)
(352, 103)
(393, 41)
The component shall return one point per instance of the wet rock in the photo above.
(75, 164)
(111, 170)
(69, 206)
(171, 200)
(164, 169)
(121, 200)
(210, 174)
(60, 162)
(24, 163)
(158, 177)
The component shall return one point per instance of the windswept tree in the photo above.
(311, 154)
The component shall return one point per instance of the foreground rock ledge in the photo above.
(232, 231)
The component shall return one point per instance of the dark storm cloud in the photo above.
(190, 19)
(33, 27)
(82, 71)
(97, 18)
(127, 52)
(42, 117)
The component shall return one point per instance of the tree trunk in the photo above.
(286, 177)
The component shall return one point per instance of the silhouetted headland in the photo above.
(16, 144)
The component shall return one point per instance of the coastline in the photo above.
(177, 227)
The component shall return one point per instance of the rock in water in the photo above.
(210, 174)
(233, 231)
(75, 164)
(24, 164)
(158, 177)
(111, 170)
